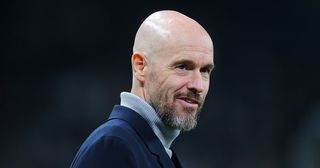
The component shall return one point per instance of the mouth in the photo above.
(190, 100)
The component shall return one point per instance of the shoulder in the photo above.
(113, 130)
(112, 143)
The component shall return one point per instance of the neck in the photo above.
(166, 135)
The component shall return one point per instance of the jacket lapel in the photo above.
(144, 131)
(175, 160)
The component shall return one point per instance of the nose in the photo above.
(196, 83)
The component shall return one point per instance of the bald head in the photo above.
(164, 30)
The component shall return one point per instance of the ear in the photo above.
(138, 66)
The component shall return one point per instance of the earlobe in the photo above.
(138, 65)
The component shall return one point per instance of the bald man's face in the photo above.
(178, 82)
(172, 61)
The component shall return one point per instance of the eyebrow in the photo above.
(183, 61)
(186, 61)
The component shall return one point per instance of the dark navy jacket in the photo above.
(124, 141)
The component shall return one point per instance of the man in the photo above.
(171, 64)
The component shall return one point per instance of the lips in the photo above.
(190, 100)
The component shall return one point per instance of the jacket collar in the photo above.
(144, 131)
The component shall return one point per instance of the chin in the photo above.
(186, 112)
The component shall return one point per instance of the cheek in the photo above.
(178, 83)
(206, 87)
(166, 91)
(205, 92)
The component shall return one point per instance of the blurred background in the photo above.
(64, 64)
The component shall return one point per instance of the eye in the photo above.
(206, 70)
(182, 67)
